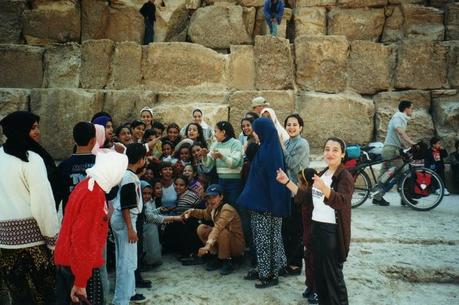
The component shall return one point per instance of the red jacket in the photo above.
(83, 233)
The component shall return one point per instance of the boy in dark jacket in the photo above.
(435, 159)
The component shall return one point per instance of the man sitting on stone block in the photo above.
(273, 11)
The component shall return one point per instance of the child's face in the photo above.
(125, 136)
(147, 194)
(437, 145)
(158, 132)
(109, 130)
(185, 154)
(246, 127)
(138, 131)
(167, 150)
(172, 134)
(149, 174)
(188, 171)
(193, 132)
(180, 186)
(196, 152)
(158, 190)
(146, 117)
(167, 173)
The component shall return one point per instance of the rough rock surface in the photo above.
(125, 23)
(361, 3)
(12, 100)
(283, 103)
(21, 66)
(62, 64)
(183, 66)
(95, 17)
(453, 63)
(52, 21)
(421, 65)
(393, 30)
(273, 63)
(241, 67)
(310, 21)
(126, 66)
(301, 3)
(423, 23)
(445, 113)
(356, 24)
(172, 20)
(420, 126)
(369, 68)
(452, 22)
(251, 3)
(321, 63)
(96, 57)
(219, 27)
(11, 20)
(74, 105)
(352, 117)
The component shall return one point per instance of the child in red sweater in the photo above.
(84, 231)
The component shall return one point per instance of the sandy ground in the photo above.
(398, 256)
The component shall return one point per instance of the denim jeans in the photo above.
(149, 31)
(126, 260)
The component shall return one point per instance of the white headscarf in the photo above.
(108, 170)
(283, 135)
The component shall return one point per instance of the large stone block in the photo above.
(252, 3)
(423, 23)
(421, 65)
(362, 3)
(445, 113)
(172, 21)
(420, 126)
(125, 105)
(393, 28)
(178, 107)
(407, 1)
(11, 20)
(94, 19)
(169, 66)
(53, 21)
(304, 3)
(369, 68)
(321, 63)
(242, 67)
(273, 63)
(12, 100)
(62, 64)
(21, 66)
(348, 116)
(60, 110)
(310, 21)
(219, 27)
(453, 63)
(126, 66)
(96, 58)
(356, 24)
(452, 22)
(283, 103)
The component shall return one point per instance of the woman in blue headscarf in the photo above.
(268, 202)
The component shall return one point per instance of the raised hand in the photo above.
(281, 176)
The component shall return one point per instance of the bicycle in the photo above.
(419, 187)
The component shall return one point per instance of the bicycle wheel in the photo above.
(422, 196)
(362, 187)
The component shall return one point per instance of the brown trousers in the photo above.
(227, 244)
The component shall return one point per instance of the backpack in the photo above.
(423, 183)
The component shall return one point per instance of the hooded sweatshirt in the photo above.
(85, 224)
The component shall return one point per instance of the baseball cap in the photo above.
(259, 101)
(214, 190)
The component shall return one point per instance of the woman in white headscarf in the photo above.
(283, 134)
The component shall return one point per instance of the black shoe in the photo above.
(381, 202)
(138, 299)
(142, 284)
(227, 267)
(313, 299)
(213, 264)
(307, 293)
(252, 275)
(268, 282)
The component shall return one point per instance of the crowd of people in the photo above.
(204, 194)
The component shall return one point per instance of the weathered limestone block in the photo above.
(282, 29)
(178, 107)
(127, 66)
(53, 21)
(453, 63)
(96, 57)
(242, 67)
(407, 1)
(12, 100)
(125, 105)
(352, 117)
(304, 3)
(445, 113)
(59, 111)
(251, 3)
(423, 23)
(94, 19)
(179, 65)
(361, 3)
(283, 103)
(393, 30)
(220, 2)
(321, 63)
(192, 4)
(273, 63)
(62, 64)
(310, 21)
(21, 66)
(172, 21)
(452, 22)
(356, 24)
(370, 66)
(421, 65)
(11, 20)
(420, 126)
(219, 27)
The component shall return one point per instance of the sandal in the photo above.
(251, 275)
(267, 282)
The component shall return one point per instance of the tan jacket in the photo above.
(224, 218)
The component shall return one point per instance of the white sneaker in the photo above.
(437, 192)
(445, 192)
